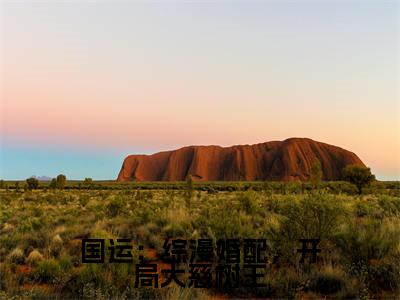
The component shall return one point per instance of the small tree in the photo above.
(316, 172)
(359, 176)
(53, 184)
(32, 183)
(61, 181)
(88, 182)
(189, 189)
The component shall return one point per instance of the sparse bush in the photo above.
(359, 176)
(189, 190)
(34, 257)
(32, 183)
(361, 243)
(61, 180)
(17, 256)
(46, 271)
(390, 205)
(247, 201)
(56, 245)
(328, 281)
(316, 172)
(368, 208)
(53, 184)
(359, 236)
(384, 276)
(88, 182)
(84, 200)
(314, 216)
(115, 207)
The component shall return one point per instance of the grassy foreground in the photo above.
(41, 232)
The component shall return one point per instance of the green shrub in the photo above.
(359, 236)
(314, 216)
(61, 181)
(368, 208)
(359, 176)
(56, 245)
(37, 293)
(363, 242)
(84, 200)
(34, 257)
(390, 205)
(328, 281)
(17, 256)
(65, 263)
(384, 276)
(247, 201)
(46, 271)
(115, 207)
(36, 239)
(32, 183)
(88, 182)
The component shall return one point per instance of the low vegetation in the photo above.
(41, 231)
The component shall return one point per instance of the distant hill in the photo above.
(286, 160)
(42, 178)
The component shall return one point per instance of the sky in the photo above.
(85, 83)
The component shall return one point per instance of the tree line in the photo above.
(359, 176)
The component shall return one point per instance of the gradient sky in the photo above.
(84, 83)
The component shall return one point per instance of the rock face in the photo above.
(278, 160)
